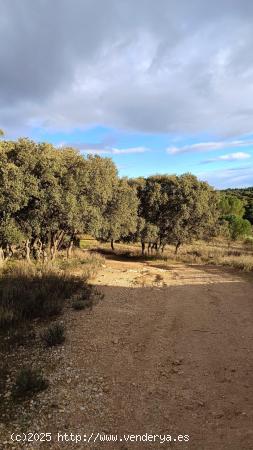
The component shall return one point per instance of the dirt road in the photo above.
(166, 352)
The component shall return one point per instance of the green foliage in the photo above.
(246, 197)
(28, 382)
(238, 227)
(249, 211)
(149, 233)
(194, 211)
(230, 205)
(121, 215)
(54, 335)
(49, 197)
(178, 208)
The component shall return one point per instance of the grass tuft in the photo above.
(30, 291)
(28, 382)
(78, 305)
(54, 335)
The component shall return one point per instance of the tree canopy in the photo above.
(48, 196)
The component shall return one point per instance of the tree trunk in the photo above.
(7, 252)
(39, 249)
(60, 240)
(1, 256)
(53, 250)
(70, 248)
(112, 244)
(149, 248)
(177, 247)
(11, 251)
(27, 250)
(154, 247)
(157, 248)
(44, 253)
(53, 247)
(55, 244)
(143, 248)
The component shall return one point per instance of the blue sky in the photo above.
(161, 87)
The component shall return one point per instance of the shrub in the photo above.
(249, 241)
(6, 317)
(54, 335)
(238, 227)
(29, 381)
(78, 305)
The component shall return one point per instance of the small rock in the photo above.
(200, 403)
(218, 415)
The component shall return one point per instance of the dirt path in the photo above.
(166, 352)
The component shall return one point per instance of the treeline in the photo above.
(246, 197)
(49, 196)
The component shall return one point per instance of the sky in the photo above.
(160, 86)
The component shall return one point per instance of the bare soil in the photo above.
(167, 351)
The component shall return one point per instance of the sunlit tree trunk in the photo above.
(70, 248)
(27, 250)
(1, 256)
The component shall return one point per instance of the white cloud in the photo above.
(238, 156)
(209, 146)
(115, 151)
(222, 179)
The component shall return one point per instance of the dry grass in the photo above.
(30, 291)
(37, 291)
(238, 255)
(83, 263)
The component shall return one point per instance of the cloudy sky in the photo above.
(160, 86)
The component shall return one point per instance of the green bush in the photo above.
(238, 228)
(29, 381)
(54, 335)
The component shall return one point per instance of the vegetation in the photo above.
(78, 305)
(245, 195)
(238, 227)
(54, 335)
(29, 292)
(28, 382)
(50, 197)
